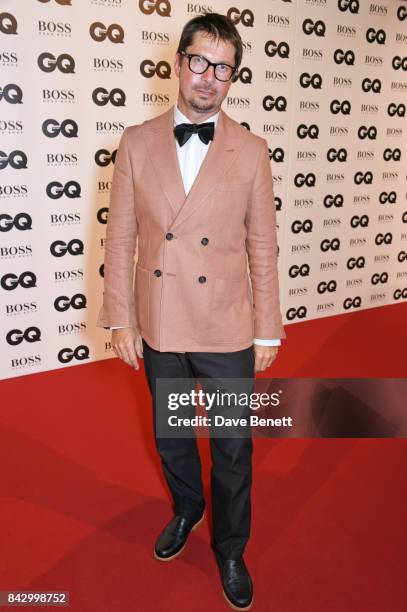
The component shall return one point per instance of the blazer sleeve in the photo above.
(118, 308)
(262, 251)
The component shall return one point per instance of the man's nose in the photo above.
(209, 74)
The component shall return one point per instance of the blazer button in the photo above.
(202, 279)
(157, 272)
(204, 241)
(169, 236)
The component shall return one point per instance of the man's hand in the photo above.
(264, 356)
(127, 344)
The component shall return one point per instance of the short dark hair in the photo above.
(216, 25)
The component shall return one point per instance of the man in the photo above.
(195, 189)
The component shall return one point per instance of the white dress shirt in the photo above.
(190, 158)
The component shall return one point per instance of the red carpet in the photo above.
(83, 498)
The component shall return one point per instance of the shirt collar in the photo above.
(181, 118)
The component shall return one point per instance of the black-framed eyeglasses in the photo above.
(199, 64)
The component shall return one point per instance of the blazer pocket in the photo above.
(233, 186)
(231, 314)
(142, 296)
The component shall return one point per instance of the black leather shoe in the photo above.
(236, 582)
(173, 538)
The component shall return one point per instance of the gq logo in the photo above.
(16, 336)
(8, 23)
(302, 270)
(116, 96)
(330, 200)
(344, 57)
(162, 69)
(11, 93)
(378, 36)
(313, 27)
(388, 196)
(301, 179)
(349, 5)
(337, 107)
(276, 155)
(244, 17)
(56, 190)
(161, 7)
(399, 110)
(356, 263)
(279, 103)
(52, 128)
(16, 159)
(26, 280)
(99, 32)
(392, 155)
(340, 155)
(65, 63)
(330, 286)
(368, 85)
(296, 313)
(102, 215)
(63, 302)
(357, 221)
(383, 238)
(311, 131)
(367, 132)
(245, 76)
(333, 245)
(310, 80)
(400, 294)
(298, 226)
(398, 62)
(379, 278)
(281, 49)
(22, 222)
(360, 177)
(355, 302)
(79, 353)
(59, 248)
(103, 157)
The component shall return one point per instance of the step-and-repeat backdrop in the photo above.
(324, 81)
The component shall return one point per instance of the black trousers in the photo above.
(231, 471)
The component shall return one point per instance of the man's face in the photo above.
(204, 93)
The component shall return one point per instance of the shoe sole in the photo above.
(233, 605)
(181, 549)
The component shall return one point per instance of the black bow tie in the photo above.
(184, 131)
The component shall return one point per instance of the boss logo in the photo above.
(368, 85)
(162, 69)
(384, 238)
(103, 157)
(58, 95)
(390, 197)
(399, 62)
(353, 263)
(363, 177)
(310, 80)
(65, 63)
(56, 190)
(311, 131)
(16, 336)
(357, 221)
(245, 76)
(79, 353)
(355, 302)
(344, 57)
(392, 154)
(22, 222)
(277, 155)
(281, 49)
(343, 107)
(296, 313)
(340, 155)
(379, 278)
(301, 179)
(11, 93)
(298, 226)
(161, 7)
(378, 36)
(349, 5)
(330, 245)
(402, 256)
(396, 109)
(329, 286)
(313, 27)
(367, 132)
(279, 103)
(295, 271)
(52, 128)
(245, 17)
(330, 200)
(102, 215)
(400, 294)
(16, 160)
(63, 302)
(52, 27)
(99, 32)
(26, 280)
(116, 96)
(59, 248)
(8, 23)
